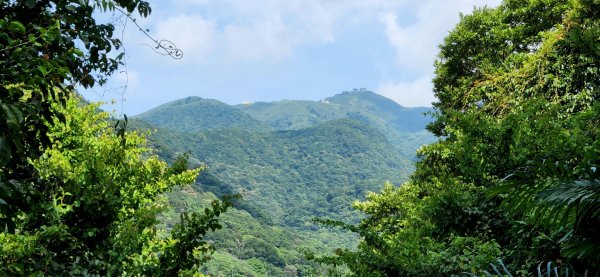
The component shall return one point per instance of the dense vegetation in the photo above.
(512, 180)
(515, 176)
(40, 65)
(78, 196)
(403, 127)
(195, 114)
(248, 247)
(97, 211)
(323, 167)
(287, 177)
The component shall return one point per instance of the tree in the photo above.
(522, 116)
(76, 197)
(517, 116)
(96, 207)
(40, 64)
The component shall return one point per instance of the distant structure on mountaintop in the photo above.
(355, 90)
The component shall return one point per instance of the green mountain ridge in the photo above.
(291, 161)
(403, 127)
(402, 118)
(194, 113)
(361, 105)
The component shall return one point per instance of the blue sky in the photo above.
(240, 51)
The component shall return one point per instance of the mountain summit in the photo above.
(194, 113)
(403, 127)
(402, 118)
(361, 105)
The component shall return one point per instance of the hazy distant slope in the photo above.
(360, 104)
(293, 114)
(402, 118)
(194, 114)
(403, 127)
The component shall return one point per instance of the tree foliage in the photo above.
(96, 211)
(515, 175)
(41, 61)
(76, 196)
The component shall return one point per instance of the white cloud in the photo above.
(273, 29)
(193, 34)
(216, 36)
(410, 94)
(265, 38)
(241, 30)
(416, 44)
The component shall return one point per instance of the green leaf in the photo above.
(17, 27)
(14, 116)
(42, 69)
(78, 52)
(71, 8)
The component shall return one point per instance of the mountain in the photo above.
(403, 127)
(195, 113)
(286, 178)
(358, 104)
(402, 118)
(293, 114)
(329, 165)
(291, 161)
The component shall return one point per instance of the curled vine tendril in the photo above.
(163, 47)
(167, 48)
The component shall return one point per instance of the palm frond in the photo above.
(579, 197)
(549, 270)
(578, 205)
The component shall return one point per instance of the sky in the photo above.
(240, 51)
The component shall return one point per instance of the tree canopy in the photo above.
(78, 196)
(515, 174)
(46, 49)
(97, 201)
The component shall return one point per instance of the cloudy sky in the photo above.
(240, 51)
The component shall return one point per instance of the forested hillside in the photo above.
(361, 105)
(295, 175)
(403, 127)
(402, 119)
(194, 114)
(287, 177)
